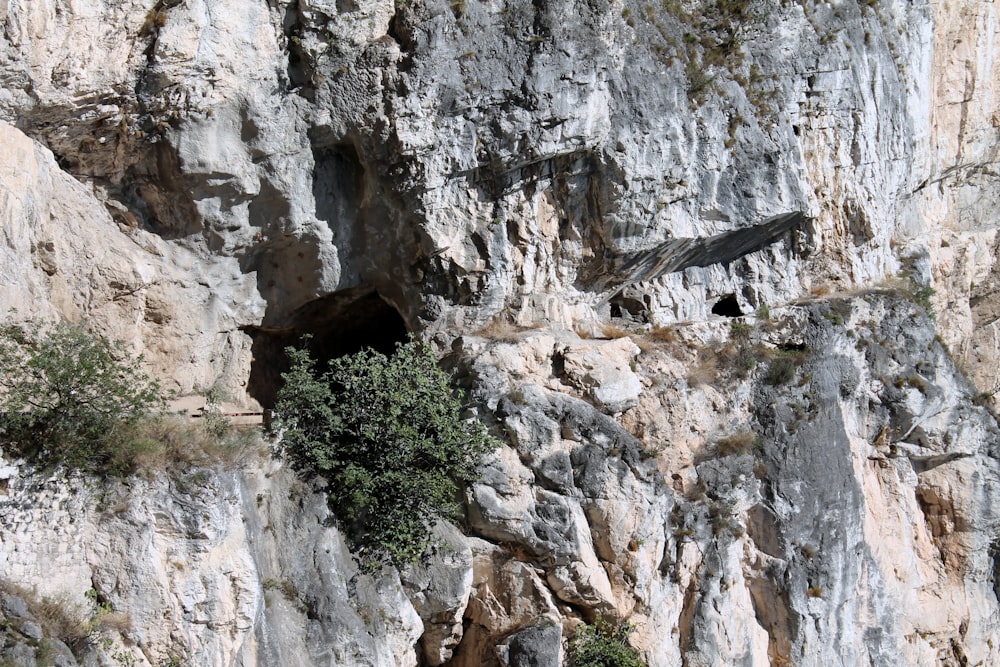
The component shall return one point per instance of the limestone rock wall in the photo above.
(515, 180)
(843, 509)
(488, 160)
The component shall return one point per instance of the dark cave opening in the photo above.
(728, 306)
(338, 324)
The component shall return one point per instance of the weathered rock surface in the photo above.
(565, 197)
(845, 508)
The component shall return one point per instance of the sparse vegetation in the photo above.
(922, 297)
(705, 370)
(738, 443)
(388, 436)
(166, 442)
(780, 371)
(76, 624)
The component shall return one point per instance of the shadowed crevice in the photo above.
(338, 324)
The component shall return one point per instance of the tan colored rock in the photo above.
(602, 370)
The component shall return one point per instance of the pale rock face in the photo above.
(65, 256)
(208, 180)
(439, 589)
(603, 372)
(201, 565)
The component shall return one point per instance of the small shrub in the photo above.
(912, 380)
(69, 396)
(740, 331)
(387, 435)
(699, 83)
(922, 297)
(285, 586)
(745, 361)
(738, 443)
(779, 372)
(604, 644)
(983, 399)
(741, 354)
(214, 421)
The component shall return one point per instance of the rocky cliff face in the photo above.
(679, 252)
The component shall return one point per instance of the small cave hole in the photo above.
(728, 306)
(339, 324)
(629, 308)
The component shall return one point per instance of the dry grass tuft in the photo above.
(62, 618)
(58, 616)
(705, 371)
(613, 331)
(167, 441)
(736, 444)
(112, 621)
(667, 335)
(501, 329)
(660, 338)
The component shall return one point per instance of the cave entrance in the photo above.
(728, 306)
(339, 324)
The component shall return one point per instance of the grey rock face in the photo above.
(535, 646)
(575, 200)
(22, 640)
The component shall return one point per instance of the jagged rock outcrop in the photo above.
(840, 508)
(574, 201)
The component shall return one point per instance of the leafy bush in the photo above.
(386, 433)
(604, 644)
(69, 396)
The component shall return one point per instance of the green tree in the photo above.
(387, 435)
(69, 396)
(604, 644)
